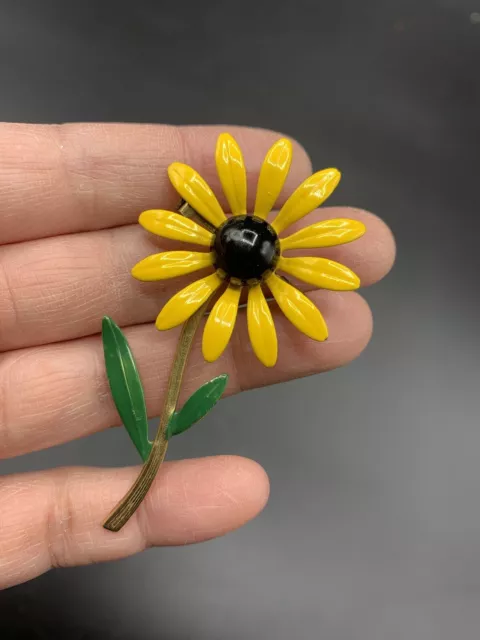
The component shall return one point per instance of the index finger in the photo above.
(59, 179)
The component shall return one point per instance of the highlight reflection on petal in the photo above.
(170, 264)
(261, 327)
(307, 197)
(193, 188)
(184, 304)
(327, 233)
(232, 174)
(272, 177)
(220, 323)
(301, 311)
(168, 224)
(321, 272)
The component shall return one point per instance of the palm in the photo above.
(70, 197)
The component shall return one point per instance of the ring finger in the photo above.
(56, 393)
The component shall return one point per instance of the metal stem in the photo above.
(130, 503)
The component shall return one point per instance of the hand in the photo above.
(69, 200)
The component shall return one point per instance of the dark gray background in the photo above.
(373, 527)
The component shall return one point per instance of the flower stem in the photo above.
(130, 503)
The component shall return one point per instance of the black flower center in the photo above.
(246, 248)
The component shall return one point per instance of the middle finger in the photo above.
(59, 288)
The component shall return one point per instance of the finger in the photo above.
(53, 394)
(59, 288)
(53, 519)
(78, 177)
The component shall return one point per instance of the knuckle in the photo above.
(8, 307)
(61, 522)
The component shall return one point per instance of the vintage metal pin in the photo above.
(243, 253)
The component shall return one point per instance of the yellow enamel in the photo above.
(301, 311)
(320, 272)
(309, 195)
(170, 264)
(220, 323)
(184, 304)
(272, 177)
(232, 174)
(261, 327)
(193, 188)
(175, 227)
(327, 233)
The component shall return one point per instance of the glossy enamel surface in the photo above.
(170, 264)
(261, 328)
(184, 303)
(298, 308)
(220, 323)
(322, 273)
(193, 188)
(246, 248)
(125, 385)
(168, 224)
(232, 173)
(197, 406)
(327, 233)
(309, 195)
(272, 177)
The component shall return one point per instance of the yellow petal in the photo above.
(232, 174)
(184, 303)
(170, 264)
(261, 328)
(321, 272)
(298, 308)
(174, 226)
(327, 233)
(309, 195)
(220, 323)
(272, 177)
(193, 188)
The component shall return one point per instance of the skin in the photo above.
(70, 197)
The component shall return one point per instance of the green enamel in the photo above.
(125, 385)
(197, 406)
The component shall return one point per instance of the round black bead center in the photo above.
(246, 247)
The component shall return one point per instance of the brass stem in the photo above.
(130, 503)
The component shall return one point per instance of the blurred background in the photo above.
(372, 531)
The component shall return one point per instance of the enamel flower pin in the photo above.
(243, 252)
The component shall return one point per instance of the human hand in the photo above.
(69, 201)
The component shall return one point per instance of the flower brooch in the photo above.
(246, 252)
(241, 252)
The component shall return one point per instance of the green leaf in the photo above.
(197, 406)
(125, 384)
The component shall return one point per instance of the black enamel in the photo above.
(246, 247)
